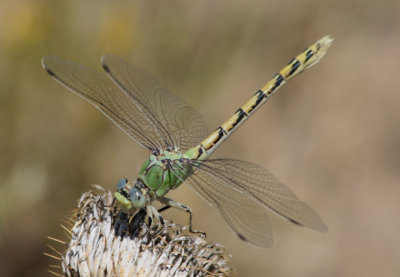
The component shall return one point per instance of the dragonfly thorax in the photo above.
(164, 171)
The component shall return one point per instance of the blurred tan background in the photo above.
(332, 134)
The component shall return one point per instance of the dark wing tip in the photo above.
(46, 60)
(243, 238)
(103, 61)
(317, 226)
(263, 244)
(106, 60)
(106, 68)
(295, 222)
(51, 73)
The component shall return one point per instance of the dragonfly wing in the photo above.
(259, 184)
(177, 123)
(101, 92)
(245, 215)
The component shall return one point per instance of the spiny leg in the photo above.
(172, 203)
(153, 213)
(150, 213)
(163, 209)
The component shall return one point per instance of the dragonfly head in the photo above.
(131, 198)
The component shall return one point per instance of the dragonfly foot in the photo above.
(171, 203)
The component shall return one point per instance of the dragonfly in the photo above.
(176, 135)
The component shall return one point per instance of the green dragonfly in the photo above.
(163, 123)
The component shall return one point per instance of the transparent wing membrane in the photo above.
(136, 113)
(176, 123)
(257, 183)
(245, 215)
(242, 192)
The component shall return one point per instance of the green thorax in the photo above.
(165, 171)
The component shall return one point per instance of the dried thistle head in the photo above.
(106, 242)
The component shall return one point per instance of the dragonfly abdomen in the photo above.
(306, 59)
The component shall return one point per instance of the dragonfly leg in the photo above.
(153, 213)
(136, 220)
(172, 203)
(163, 208)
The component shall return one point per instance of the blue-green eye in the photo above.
(122, 184)
(137, 198)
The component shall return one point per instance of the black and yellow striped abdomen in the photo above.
(306, 59)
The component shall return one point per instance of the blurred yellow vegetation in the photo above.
(332, 135)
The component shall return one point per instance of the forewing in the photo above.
(259, 184)
(175, 122)
(101, 92)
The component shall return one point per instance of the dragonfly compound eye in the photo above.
(137, 198)
(121, 184)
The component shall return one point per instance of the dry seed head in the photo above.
(106, 242)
